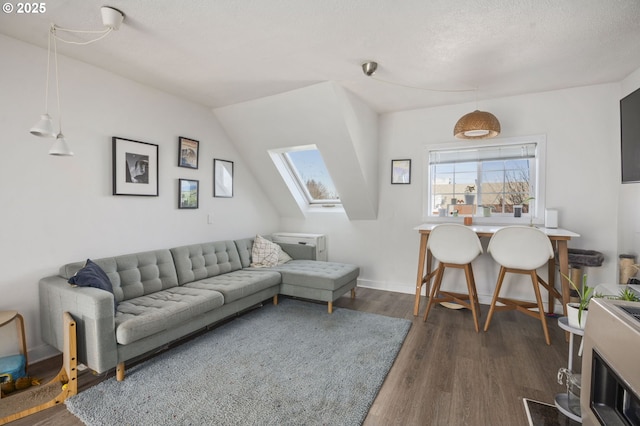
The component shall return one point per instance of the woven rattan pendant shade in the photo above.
(477, 125)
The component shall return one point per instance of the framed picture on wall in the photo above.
(222, 178)
(188, 152)
(188, 193)
(135, 167)
(400, 171)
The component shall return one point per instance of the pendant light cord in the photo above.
(422, 88)
(102, 34)
(46, 93)
(55, 57)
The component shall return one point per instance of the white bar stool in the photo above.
(454, 246)
(521, 250)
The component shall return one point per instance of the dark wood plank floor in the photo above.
(445, 373)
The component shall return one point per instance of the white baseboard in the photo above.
(484, 299)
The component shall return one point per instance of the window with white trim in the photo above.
(468, 179)
(305, 166)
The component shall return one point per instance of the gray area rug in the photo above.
(290, 364)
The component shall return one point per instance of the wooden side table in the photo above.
(5, 318)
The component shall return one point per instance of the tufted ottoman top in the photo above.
(314, 274)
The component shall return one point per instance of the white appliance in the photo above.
(319, 241)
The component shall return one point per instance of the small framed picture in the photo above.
(222, 178)
(188, 151)
(135, 167)
(400, 171)
(188, 194)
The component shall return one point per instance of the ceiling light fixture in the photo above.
(475, 125)
(111, 19)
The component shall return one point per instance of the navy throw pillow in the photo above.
(92, 275)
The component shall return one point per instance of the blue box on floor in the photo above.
(13, 365)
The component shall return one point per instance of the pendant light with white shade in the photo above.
(111, 19)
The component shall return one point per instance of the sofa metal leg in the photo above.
(275, 299)
(353, 293)
(120, 371)
(330, 307)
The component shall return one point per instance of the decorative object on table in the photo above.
(627, 267)
(332, 377)
(222, 178)
(135, 167)
(400, 171)
(188, 193)
(486, 211)
(551, 218)
(517, 210)
(188, 152)
(530, 208)
(111, 20)
(469, 196)
(468, 220)
(477, 125)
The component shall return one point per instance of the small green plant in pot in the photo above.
(628, 295)
(469, 196)
(577, 311)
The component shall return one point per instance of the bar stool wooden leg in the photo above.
(543, 319)
(473, 299)
(434, 290)
(501, 275)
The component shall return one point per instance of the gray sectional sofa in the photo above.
(163, 295)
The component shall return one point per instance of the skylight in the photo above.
(311, 174)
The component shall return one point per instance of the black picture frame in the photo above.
(401, 172)
(222, 178)
(188, 193)
(135, 167)
(188, 152)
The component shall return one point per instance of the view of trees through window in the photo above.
(313, 175)
(494, 177)
(500, 186)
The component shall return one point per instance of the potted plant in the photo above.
(628, 295)
(527, 201)
(577, 311)
(469, 197)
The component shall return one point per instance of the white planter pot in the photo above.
(572, 316)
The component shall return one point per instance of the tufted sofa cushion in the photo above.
(321, 275)
(238, 284)
(198, 261)
(146, 315)
(134, 275)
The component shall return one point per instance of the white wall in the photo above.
(56, 210)
(629, 229)
(582, 181)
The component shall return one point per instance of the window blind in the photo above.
(487, 153)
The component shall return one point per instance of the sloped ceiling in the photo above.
(222, 52)
(343, 127)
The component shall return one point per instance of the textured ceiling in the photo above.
(223, 52)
